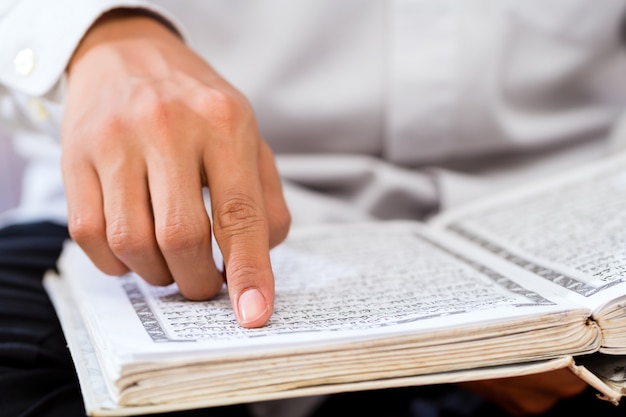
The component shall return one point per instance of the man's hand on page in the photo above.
(147, 125)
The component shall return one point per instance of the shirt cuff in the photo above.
(39, 38)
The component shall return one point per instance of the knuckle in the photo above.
(241, 273)
(124, 241)
(181, 235)
(237, 215)
(106, 134)
(99, 133)
(111, 126)
(154, 109)
(84, 229)
(224, 109)
(153, 105)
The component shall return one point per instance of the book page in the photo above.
(331, 284)
(98, 402)
(354, 302)
(571, 230)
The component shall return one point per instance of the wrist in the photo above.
(121, 25)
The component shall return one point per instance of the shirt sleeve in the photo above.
(38, 40)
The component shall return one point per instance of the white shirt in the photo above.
(422, 103)
(376, 109)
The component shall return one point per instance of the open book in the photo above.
(528, 281)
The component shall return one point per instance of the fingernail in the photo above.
(252, 306)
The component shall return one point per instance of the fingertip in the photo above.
(253, 309)
(114, 269)
(201, 288)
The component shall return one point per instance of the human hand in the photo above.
(147, 124)
(529, 395)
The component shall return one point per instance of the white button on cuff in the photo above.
(24, 61)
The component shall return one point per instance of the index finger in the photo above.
(241, 229)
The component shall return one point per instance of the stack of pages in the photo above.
(528, 281)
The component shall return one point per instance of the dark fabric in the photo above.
(36, 373)
(37, 377)
(447, 401)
